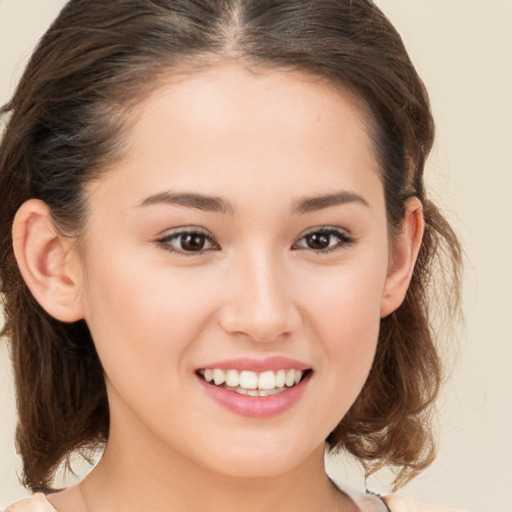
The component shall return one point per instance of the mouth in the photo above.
(252, 383)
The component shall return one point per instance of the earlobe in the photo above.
(44, 259)
(406, 246)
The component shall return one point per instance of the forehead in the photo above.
(227, 94)
(207, 128)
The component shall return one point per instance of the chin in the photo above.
(261, 460)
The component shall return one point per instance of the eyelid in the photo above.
(183, 230)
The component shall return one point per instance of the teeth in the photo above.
(248, 380)
(256, 392)
(280, 378)
(252, 383)
(232, 378)
(219, 377)
(267, 380)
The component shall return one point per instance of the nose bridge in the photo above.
(260, 303)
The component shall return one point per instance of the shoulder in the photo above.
(36, 503)
(373, 502)
(397, 503)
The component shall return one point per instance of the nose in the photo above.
(260, 302)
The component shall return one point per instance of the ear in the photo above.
(405, 249)
(47, 261)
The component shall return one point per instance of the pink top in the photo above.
(365, 501)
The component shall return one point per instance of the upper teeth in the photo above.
(253, 380)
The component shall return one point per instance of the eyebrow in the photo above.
(190, 200)
(311, 204)
(219, 205)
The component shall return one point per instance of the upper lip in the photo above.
(258, 365)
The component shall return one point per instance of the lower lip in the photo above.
(256, 406)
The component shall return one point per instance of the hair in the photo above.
(65, 125)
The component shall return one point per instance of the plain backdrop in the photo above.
(463, 51)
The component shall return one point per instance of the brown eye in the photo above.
(324, 239)
(318, 241)
(192, 242)
(189, 242)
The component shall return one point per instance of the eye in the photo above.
(324, 239)
(189, 242)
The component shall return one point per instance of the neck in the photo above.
(148, 475)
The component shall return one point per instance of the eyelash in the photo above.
(343, 240)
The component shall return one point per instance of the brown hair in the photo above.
(66, 125)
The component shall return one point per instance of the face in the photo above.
(243, 237)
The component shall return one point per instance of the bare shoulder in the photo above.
(397, 503)
(63, 501)
(36, 503)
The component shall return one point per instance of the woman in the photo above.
(216, 254)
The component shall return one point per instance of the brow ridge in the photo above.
(217, 204)
(190, 200)
(311, 204)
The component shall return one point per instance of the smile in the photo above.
(251, 383)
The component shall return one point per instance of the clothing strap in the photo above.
(366, 501)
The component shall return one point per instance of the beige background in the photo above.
(463, 50)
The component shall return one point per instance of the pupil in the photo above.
(193, 242)
(318, 240)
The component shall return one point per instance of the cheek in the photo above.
(347, 299)
(143, 319)
(346, 319)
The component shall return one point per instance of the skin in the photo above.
(263, 142)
